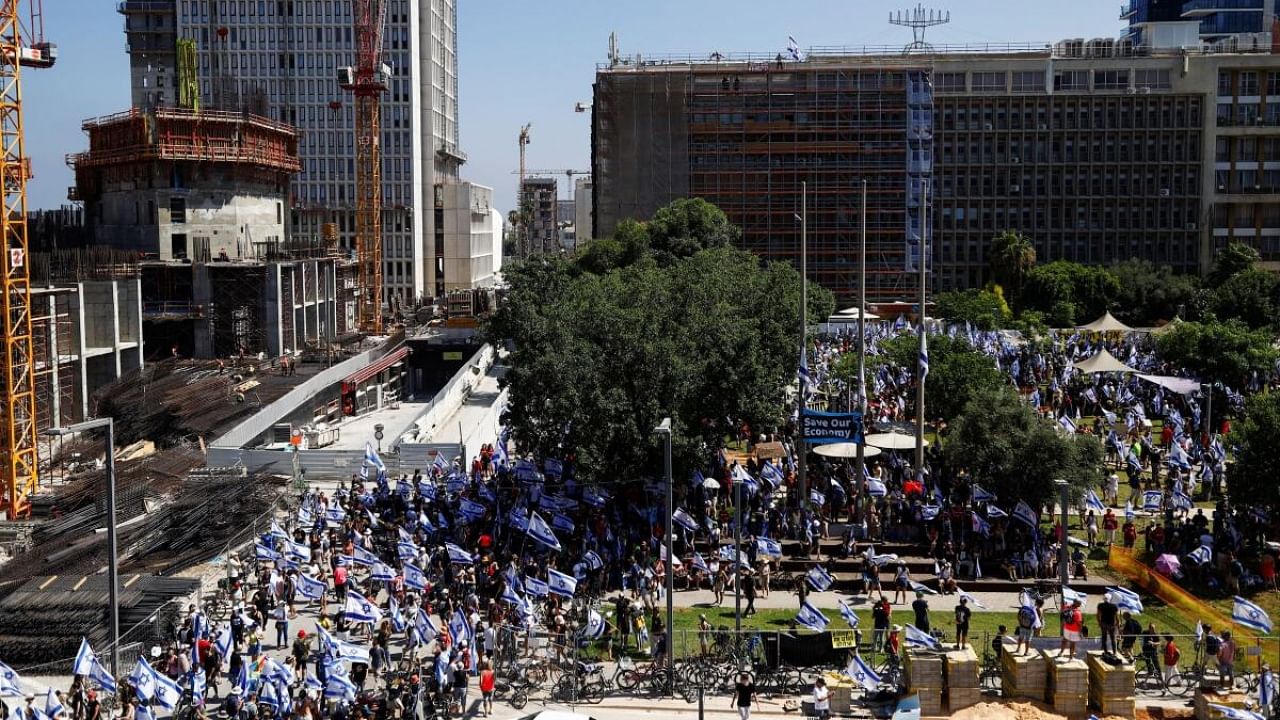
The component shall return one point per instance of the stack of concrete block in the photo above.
(961, 678)
(1022, 676)
(1240, 701)
(1068, 684)
(1111, 687)
(923, 670)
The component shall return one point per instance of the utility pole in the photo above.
(924, 281)
(664, 429)
(862, 346)
(1063, 570)
(737, 567)
(801, 446)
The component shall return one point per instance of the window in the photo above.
(1024, 81)
(1110, 79)
(1224, 83)
(1249, 83)
(177, 210)
(1071, 80)
(949, 82)
(990, 82)
(1154, 79)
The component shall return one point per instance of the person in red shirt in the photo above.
(1072, 628)
(1109, 525)
(486, 688)
(1171, 656)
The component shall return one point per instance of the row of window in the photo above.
(1071, 113)
(1035, 81)
(1095, 217)
(1247, 149)
(1000, 150)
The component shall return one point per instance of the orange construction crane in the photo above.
(18, 375)
(368, 80)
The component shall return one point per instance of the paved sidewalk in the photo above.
(779, 599)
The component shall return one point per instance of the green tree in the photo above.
(957, 371)
(1016, 454)
(986, 308)
(1235, 258)
(1226, 352)
(686, 226)
(1150, 293)
(1012, 257)
(1250, 296)
(1257, 465)
(1069, 292)
(601, 355)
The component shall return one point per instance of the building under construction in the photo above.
(541, 224)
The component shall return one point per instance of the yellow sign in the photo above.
(452, 355)
(843, 639)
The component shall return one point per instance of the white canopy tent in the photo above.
(1106, 323)
(1103, 362)
(1182, 386)
(846, 450)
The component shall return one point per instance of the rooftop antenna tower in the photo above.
(919, 20)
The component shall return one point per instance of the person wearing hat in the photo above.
(921, 609)
(1108, 619)
(92, 708)
(301, 650)
(704, 633)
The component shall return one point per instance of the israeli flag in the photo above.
(144, 682)
(9, 681)
(1093, 502)
(425, 626)
(793, 49)
(561, 584)
(471, 510)
(875, 488)
(978, 525)
(1250, 615)
(518, 518)
(562, 523)
(264, 553)
(593, 560)
(861, 673)
(817, 498)
(1151, 500)
(274, 671)
(1023, 513)
(1126, 599)
(1267, 687)
(371, 457)
(1129, 514)
(929, 512)
(85, 660)
(363, 556)
(407, 550)
(413, 576)
(812, 618)
(883, 559)
(848, 614)
(167, 692)
(768, 547)
(457, 555)
(358, 609)
(684, 520)
(459, 627)
(700, 563)
(311, 588)
(1181, 501)
(595, 497)
(770, 472)
(539, 531)
(339, 687)
(924, 354)
(1066, 424)
(594, 628)
(994, 512)
(382, 572)
(981, 495)
(223, 642)
(53, 706)
(1201, 555)
(819, 578)
(916, 637)
(298, 551)
(241, 680)
(267, 696)
(141, 712)
(1069, 595)
(972, 600)
(1232, 713)
(537, 587)
(306, 516)
(920, 588)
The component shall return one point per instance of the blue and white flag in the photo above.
(53, 706)
(1126, 599)
(595, 497)
(426, 627)
(915, 637)
(1250, 615)
(794, 51)
(407, 550)
(978, 525)
(537, 587)
(1201, 555)
(9, 681)
(817, 498)
(1181, 501)
(382, 572)
(819, 578)
(144, 683)
(875, 488)
(141, 712)
(297, 551)
(921, 588)
(562, 523)
(1069, 595)
(593, 560)
(848, 614)
(339, 687)
(812, 618)
(371, 457)
(471, 510)
(861, 673)
(684, 520)
(1066, 424)
(222, 643)
(994, 512)
(509, 595)
(460, 628)
(1093, 502)
(1233, 713)
(264, 553)
(1267, 687)
(1023, 513)
(457, 555)
(1152, 499)
(268, 696)
(414, 577)
(884, 559)
(561, 584)
(335, 515)
(311, 588)
(970, 598)
(358, 609)
(768, 547)
(1129, 514)
(518, 518)
(802, 374)
(363, 556)
(980, 494)
(167, 692)
(540, 531)
(924, 354)
(594, 627)
(929, 512)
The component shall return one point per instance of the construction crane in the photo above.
(368, 80)
(522, 212)
(18, 375)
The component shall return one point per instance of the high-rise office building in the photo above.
(280, 58)
(1235, 24)
(1099, 151)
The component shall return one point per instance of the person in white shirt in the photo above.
(821, 699)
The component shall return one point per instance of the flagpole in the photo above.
(862, 350)
(923, 262)
(801, 446)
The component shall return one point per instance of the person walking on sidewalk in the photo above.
(744, 694)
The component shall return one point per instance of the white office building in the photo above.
(280, 58)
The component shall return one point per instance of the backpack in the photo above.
(1026, 617)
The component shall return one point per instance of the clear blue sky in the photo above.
(525, 62)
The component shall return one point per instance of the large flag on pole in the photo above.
(812, 618)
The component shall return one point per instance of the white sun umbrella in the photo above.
(710, 483)
(845, 450)
(893, 441)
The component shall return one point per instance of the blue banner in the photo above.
(821, 428)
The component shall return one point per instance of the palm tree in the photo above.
(1012, 256)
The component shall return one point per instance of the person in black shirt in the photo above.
(744, 693)
(1107, 615)
(997, 643)
(749, 591)
(880, 623)
(1129, 632)
(962, 623)
(921, 608)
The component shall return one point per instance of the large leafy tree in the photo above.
(1253, 475)
(601, 353)
(686, 226)
(957, 372)
(1250, 296)
(1011, 256)
(1226, 352)
(1014, 453)
(1231, 260)
(1149, 293)
(1069, 292)
(985, 308)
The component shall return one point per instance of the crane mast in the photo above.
(367, 80)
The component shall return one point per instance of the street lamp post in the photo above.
(1064, 500)
(664, 429)
(113, 569)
